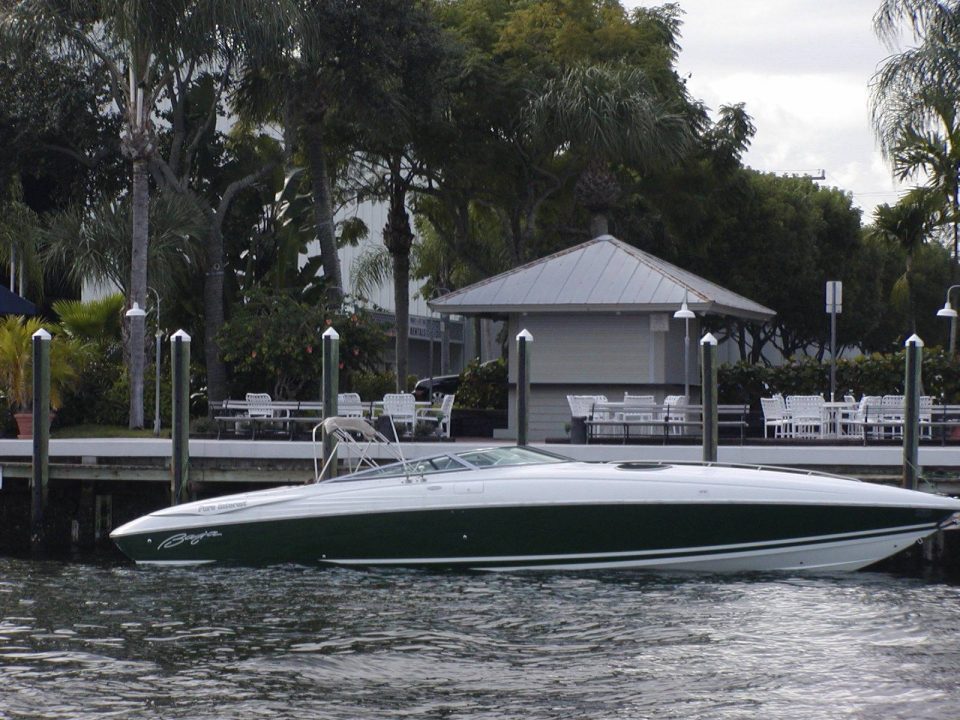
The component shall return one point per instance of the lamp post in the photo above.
(685, 314)
(947, 311)
(137, 312)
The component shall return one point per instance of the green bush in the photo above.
(273, 343)
(877, 374)
(483, 386)
(371, 385)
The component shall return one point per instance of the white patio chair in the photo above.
(775, 417)
(926, 416)
(581, 406)
(349, 405)
(892, 415)
(402, 409)
(440, 416)
(806, 415)
(638, 408)
(259, 405)
(673, 413)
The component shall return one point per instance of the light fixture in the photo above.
(684, 313)
(136, 311)
(947, 311)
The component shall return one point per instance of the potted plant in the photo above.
(16, 371)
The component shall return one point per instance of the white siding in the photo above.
(596, 354)
(374, 215)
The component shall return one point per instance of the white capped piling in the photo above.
(180, 431)
(524, 340)
(911, 420)
(708, 382)
(331, 381)
(41, 435)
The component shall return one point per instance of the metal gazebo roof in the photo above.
(601, 275)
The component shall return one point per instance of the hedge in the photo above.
(877, 374)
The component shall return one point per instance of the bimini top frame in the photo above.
(357, 434)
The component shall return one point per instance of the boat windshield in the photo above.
(508, 456)
(467, 460)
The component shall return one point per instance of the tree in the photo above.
(915, 96)
(909, 223)
(526, 171)
(406, 133)
(141, 48)
(609, 114)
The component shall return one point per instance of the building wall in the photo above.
(597, 354)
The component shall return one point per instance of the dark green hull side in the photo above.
(531, 536)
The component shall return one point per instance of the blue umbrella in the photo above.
(13, 304)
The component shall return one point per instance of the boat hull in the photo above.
(681, 536)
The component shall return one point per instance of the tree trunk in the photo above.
(598, 225)
(214, 316)
(138, 287)
(323, 211)
(398, 237)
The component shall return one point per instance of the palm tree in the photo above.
(143, 48)
(915, 96)
(934, 152)
(909, 224)
(93, 244)
(19, 238)
(605, 114)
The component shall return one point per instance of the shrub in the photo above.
(483, 385)
(274, 344)
(877, 374)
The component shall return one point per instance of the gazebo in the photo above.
(601, 315)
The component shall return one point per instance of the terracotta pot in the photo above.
(25, 424)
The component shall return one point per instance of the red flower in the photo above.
(309, 349)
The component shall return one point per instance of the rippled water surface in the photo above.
(108, 640)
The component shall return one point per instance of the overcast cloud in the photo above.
(803, 68)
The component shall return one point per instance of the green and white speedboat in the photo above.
(517, 508)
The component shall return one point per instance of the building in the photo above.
(601, 315)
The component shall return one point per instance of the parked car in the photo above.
(433, 390)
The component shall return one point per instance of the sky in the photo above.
(803, 69)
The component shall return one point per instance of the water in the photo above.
(89, 640)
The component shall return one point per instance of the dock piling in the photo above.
(41, 435)
(911, 420)
(524, 338)
(708, 380)
(180, 449)
(331, 381)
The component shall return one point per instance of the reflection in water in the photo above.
(87, 640)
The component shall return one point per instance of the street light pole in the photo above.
(156, 399)
(947, 311)
(685, 314)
